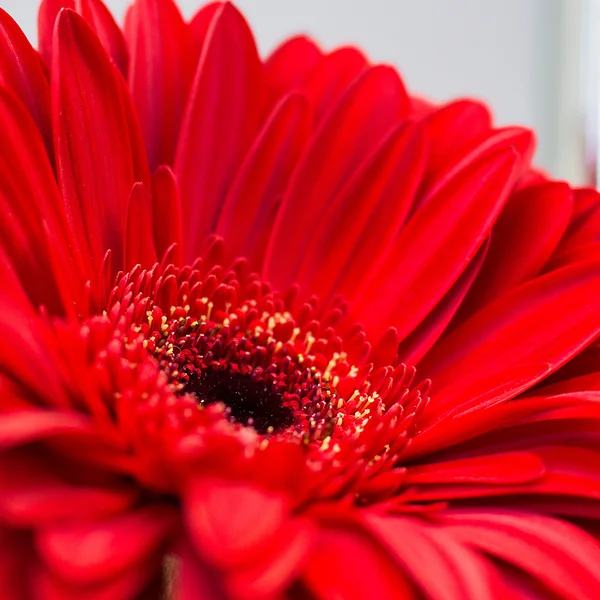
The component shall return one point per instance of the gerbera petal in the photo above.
(291, 64)
(277, 568)
(160, 74)
(517, 323)
(500, 469)
(450, 130)
(421, 549)
(312, 188)
(23, 426)
(97, 16)
(523, 239)
(86, 91)
(442, 238)
(166, 211)
(19, 321)
(560, 555)
(521, 141)
(223, 114)
(365, 216)
(229, 523)
(22, 72)
(413, 347)
(32, 495)
(28, 189)
(356, 568)
(331, 78)
(136, 583)
(92, 552)
(263, 177)
(200, 24)
(139, 246)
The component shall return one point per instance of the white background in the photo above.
(520, 56)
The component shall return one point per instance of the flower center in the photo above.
(249, 399)
(232, 350)
(253, 364)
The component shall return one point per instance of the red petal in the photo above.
(509, 468)
(332, 77)
(221, 118)
(28, 190)
(86, 553)
(348, 565)
(21, 325)
(560, 555)
(419, 342)
(139, 245)
(435, 247)
(230, 522)
(451, 129)
(420, 549)
(160, 74)
(200, 24)
(97, 16)
(520, 141)
(365, 216)
(291, 64)
(521, 329)
(95, 162)
(367, 112)
(166, 209)
(21, 71)
(262, 178)
(523, 238)
(32, 495)
(23, 426)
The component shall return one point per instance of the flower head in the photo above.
(277, 329)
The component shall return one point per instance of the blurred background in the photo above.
(532, 61)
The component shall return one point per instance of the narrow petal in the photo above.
(332, 77)
(442, 238)
(229, 523)
(92, 552)
(139, 245)
(27, 190)
(95, 164)
(521, 141)
(160, 74)
(32, 495)
(97, 16)
(221, 118)
(413, 347)
(509, 468)
(263, 177)
(356, 568)
(20, 427)
(365, 216)
(166, 211)
(290, 65)
(21, 71)
(523, 239)
(487, 352)
(451, 129)
(420, 550)
(560, 555)
(367, 112)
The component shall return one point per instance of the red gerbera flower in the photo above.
(279, 330)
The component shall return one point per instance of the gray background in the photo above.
(521, 56)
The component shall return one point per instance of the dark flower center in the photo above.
(250, 401)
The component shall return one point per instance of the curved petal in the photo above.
(483, 361)
(223, 113)
(160, 74)
(95, 163)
